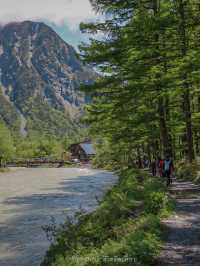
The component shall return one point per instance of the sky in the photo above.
(73, 37)
(64, 16)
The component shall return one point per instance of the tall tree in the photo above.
(184, 38)
(145, 57)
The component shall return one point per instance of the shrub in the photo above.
(188, 171)
(155, 202)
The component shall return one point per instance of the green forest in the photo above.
(37, 144)
(147, 102)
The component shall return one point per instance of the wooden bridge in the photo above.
(37, 163)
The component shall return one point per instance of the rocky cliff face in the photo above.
(40, 76)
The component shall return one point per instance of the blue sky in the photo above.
(73, 37)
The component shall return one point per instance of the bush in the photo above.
(188, 171)
(7, 149)
(155, 202)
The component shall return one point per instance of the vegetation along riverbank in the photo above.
(124, 230)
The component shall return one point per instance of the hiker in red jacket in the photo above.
(161, 167)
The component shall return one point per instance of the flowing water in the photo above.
(29, 198)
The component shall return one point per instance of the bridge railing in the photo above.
(36, 161)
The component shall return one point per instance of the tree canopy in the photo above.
(147, 99)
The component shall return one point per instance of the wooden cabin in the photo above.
(83, 151)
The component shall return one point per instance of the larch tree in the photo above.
(146, 98)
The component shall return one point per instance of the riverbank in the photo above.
(4, 170)
(125, 229)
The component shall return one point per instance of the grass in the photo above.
(124, 230)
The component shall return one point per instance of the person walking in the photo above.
(161, 167)
(146, 163)
(168, 169)
(153, 167)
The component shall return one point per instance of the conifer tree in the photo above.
(149, 87)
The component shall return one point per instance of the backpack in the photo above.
(167, 165)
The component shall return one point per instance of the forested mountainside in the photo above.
(40, 76)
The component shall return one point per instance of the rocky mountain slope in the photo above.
(40, 76)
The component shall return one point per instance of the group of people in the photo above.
(161, 167)
(164, 168)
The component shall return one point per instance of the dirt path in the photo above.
(29, 198)
(182, 246)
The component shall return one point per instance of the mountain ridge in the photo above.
(40, 76)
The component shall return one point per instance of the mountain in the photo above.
(40, 76)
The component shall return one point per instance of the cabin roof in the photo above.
(88, 148)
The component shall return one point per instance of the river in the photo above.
(29, 198)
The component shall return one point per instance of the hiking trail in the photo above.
(182, 243)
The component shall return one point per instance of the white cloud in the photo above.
(70, 12)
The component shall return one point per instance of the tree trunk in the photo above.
(188, 120)
(139, 158)
(196, 141)
(164, 136)
(186, 93)
(198, 108)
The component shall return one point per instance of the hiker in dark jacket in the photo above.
(168, 169)
(153, 167)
